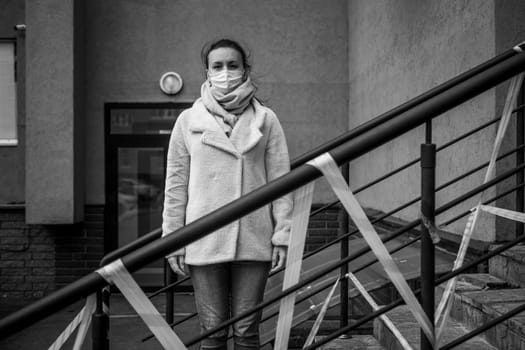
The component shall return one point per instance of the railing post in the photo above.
(520, 157)
(169, 278)
(428, 167)
(100, 321)
(343, 227)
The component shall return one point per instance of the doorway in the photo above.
(136, 144)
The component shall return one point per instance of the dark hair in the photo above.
(229, 43)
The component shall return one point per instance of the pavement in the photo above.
(127, 330)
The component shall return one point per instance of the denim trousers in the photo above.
(226, 290)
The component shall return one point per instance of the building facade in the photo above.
(81, 171)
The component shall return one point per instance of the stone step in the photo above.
(475, 305)
(409, 328)
(356, 342)
(510, 266)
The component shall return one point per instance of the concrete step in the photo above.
(408, 326)
(356, 342)
(475, 305)
(510, 266)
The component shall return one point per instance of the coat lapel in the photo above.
(212, 134)
(247, 131)
(245, 135)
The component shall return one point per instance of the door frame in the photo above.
(111, 146)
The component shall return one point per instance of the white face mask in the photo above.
(226, 81)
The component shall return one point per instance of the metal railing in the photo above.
(350, 146)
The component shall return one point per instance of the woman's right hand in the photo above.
(178, 265)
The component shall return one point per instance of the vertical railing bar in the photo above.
(343, 285)
(169, 278)
(520, 158)
(427, 256)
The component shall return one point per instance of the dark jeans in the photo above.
(226, 290)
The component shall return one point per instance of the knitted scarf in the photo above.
(227, 108)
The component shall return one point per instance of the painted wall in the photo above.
(399, 50)
(298, 51)
(12, 159)
(510, 30)
(54, 114)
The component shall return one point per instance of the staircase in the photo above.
(479, 298)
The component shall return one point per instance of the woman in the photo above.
(226, 145)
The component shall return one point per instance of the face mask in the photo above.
(226, 80)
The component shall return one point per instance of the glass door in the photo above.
(137, 137)
(140, 197)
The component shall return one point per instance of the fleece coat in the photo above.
(206, 170)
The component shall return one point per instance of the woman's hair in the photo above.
(222, 43)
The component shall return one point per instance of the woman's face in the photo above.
(224, 58)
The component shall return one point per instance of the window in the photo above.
(8, 132)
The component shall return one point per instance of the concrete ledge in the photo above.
(475, 307)
(357, 342)
(408, 326)
(510, 265)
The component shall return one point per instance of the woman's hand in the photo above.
(278, 257)
(178, 265)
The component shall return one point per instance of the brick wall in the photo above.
(79, 248)
(27, 259)
(322, 228)
(36, 259)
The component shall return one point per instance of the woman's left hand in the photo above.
(278, 257)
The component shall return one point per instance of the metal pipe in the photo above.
(100, 325)
(427, 257)
(343, 283)
(298, 177)
(520, 158)
(169, 278)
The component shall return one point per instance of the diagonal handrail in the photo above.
(360, 252)
(374, 221)
(298, 177)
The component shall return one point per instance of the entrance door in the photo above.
(137, 137)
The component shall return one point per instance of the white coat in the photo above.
(206, 170)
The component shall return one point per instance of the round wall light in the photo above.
(171, 83)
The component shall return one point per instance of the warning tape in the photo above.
(402, 340)
(116, 273)
(320, 316)
(302, 205)
(326, 164)
(82, 319)
(445, 304)
(504, 213)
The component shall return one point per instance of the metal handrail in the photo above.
(383, 216)
(298, 177)
(375, 181)
(335, 265)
